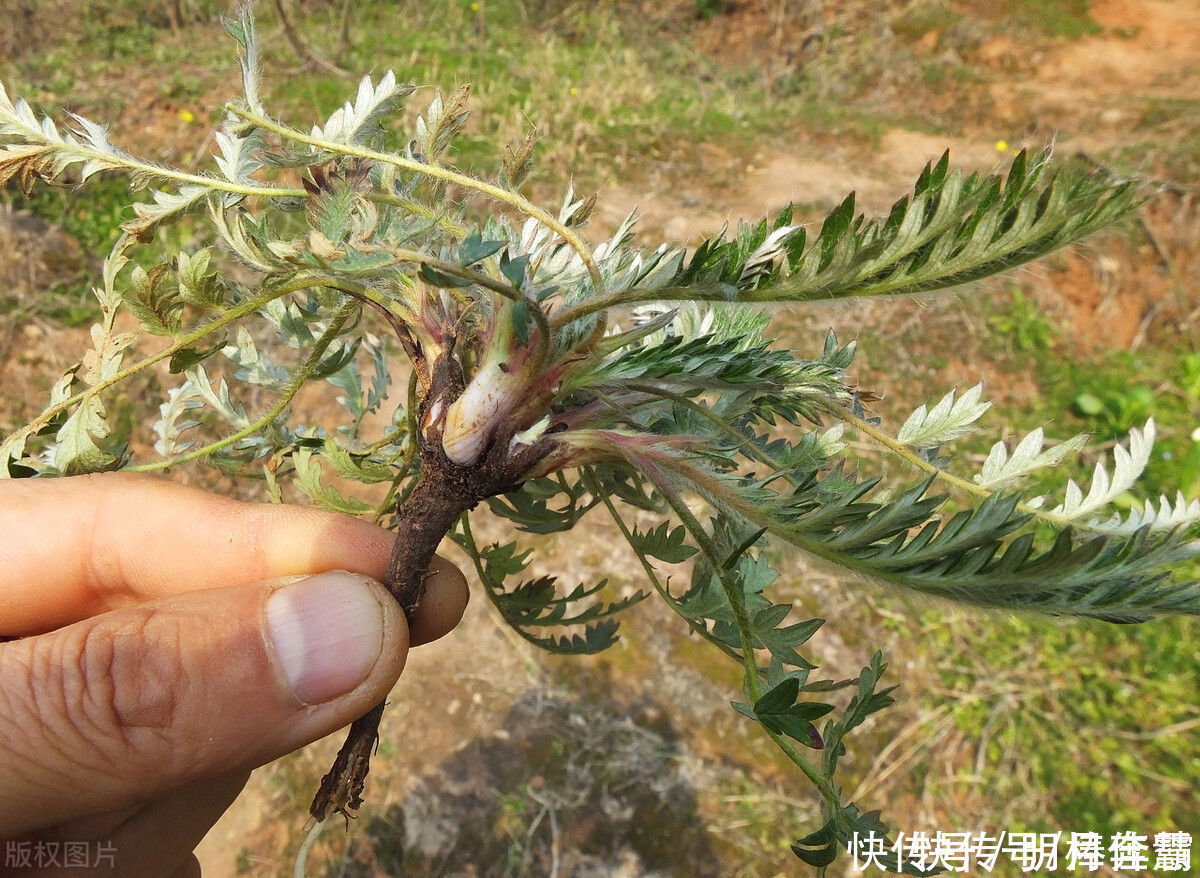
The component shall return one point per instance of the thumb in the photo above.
(124, 706)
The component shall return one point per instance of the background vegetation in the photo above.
(703, 112)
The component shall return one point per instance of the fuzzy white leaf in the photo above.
(688, 321)
(39, 147)
(103, 361)
(289, 323)
(75, 448)
(12, 448)
(236, 159)
(166, 206)
(829, 443)
(309, 480)
(1166, 516)
(219, 399)
(169, 426)
(353, 123)
(94, 136)
(1001, 469)
(18, 119)
(768, 254)
(6, 105)
(231, 227)
(246, 34)
(107, 295)
(90, 167)
(947, 420)
(1127, 468)
(252, 365)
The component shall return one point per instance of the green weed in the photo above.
(1059, 18)
(91, 214)
(1021, 326)
(1069, 19)
(1159, 383)
(1020, 685)
(922, 18)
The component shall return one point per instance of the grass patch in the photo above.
(920, 19)
(1067, 19)
(1108, 393)
(91, 214)
(1083, 726)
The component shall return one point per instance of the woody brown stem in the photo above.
(425, 518)
(444, 491)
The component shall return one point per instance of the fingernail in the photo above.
(327, 633)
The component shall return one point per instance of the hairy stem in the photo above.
(299, 379)
(904, 452)
(733, 591)
(695, 626)
(737, 602)
(438, 172)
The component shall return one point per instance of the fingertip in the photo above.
(445, 600)
(329, 633)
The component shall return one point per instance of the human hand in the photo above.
(166, 644)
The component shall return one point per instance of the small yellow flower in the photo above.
(1001, 146)
(187, 116)
(573, 90)
(474, 7)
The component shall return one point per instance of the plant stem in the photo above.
(285, 398)
(737, 603)
(208, 182)
(235, 313)
(438, 172)
(505, 290)
(733, 591)
(419, 209)
(748, 448)
(902, 451)
(422, 520)
(443, 492)
(594, 485)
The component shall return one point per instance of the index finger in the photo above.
(74, 547)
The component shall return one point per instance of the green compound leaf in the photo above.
(664, 543)
(155, 300)
(537, 604)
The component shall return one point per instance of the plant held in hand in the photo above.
(550, 379)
